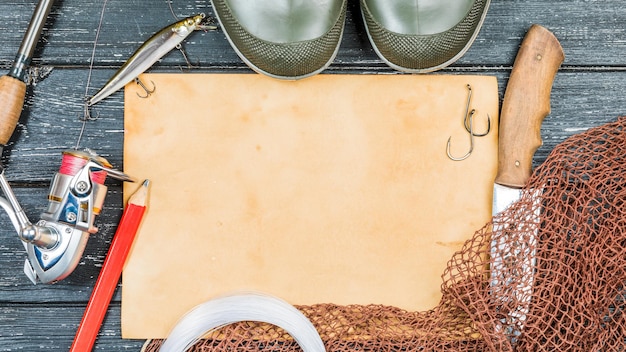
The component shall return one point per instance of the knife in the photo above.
(526, 103)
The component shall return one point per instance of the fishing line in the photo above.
(169, 3)
(256, 307)
(72, 163)
(86, 114)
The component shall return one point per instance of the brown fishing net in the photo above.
(548, 273)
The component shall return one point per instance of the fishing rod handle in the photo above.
(12, 94)
(13, 86)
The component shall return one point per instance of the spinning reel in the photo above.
(55, 244)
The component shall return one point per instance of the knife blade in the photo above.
(525, 105)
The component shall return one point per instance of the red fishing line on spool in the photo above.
(73, 161)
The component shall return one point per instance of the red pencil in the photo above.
(111, 271)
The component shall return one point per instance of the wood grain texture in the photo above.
(51, 327)
(525, 105)
(587, 92)
(12, 94)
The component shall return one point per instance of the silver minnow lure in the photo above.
(148, 53)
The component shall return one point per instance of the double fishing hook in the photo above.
(142, 85)
(470, 129)
(468, 123)
(471, 135)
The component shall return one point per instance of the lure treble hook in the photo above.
(145, 88)
(87, 116)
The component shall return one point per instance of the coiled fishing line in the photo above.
(73, 162)
(213, 314)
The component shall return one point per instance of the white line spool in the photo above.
(223, 311)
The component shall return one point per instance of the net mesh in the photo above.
(548, 273)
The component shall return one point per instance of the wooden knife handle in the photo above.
(12, 93)
(526, 103)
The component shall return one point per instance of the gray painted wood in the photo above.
(51, 327)
(587, 92)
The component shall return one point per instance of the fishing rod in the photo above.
(13, 84)
(55, 244)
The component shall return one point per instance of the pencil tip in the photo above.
(140, 196)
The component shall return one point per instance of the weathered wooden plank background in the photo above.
(588, 91)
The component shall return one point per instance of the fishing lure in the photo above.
(150, 52)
